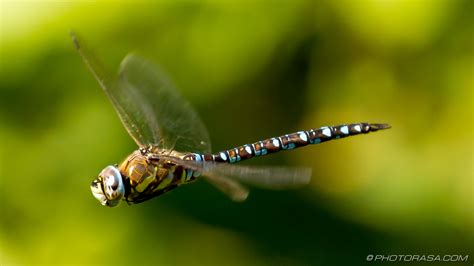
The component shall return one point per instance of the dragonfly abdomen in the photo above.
(288, 142)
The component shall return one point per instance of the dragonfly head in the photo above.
(108, 187)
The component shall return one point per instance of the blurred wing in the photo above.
(150, 108)
(264, 177)
(157, 103)
(233, 189)
(226, 177)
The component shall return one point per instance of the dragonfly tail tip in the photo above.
(375, 127)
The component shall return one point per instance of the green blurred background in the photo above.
(252, 70)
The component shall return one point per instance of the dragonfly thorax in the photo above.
(136, 168)
(146, 175)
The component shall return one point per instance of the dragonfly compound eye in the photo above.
(108, 188)
(97, 191)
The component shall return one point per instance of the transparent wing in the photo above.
(233, 189)
(121, 100)
(150, 108)
(226, 177)
(180, 126)
(265, 177)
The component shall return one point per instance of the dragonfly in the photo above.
(173, 143)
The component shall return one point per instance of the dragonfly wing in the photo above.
(233, 189)
(226, 179)
(150, 108)
(161, 106)
(139, 121)
(270, 177)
